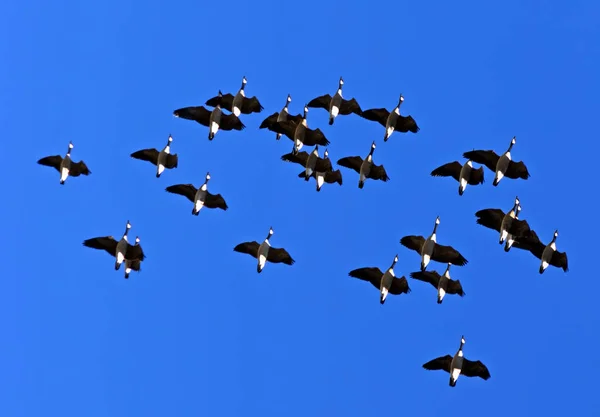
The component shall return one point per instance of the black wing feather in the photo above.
(451, 169)
(369, 274)
(198, 114)
(445, 254)
(215, 201)
(379, 115)
(149, 155)
(279, 255)
(413, 242)
(321, 102)
(442, 363)
(51, 161)
(352, 162)
(250, 248)
(186, 190)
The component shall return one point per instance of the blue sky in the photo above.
(198, 331)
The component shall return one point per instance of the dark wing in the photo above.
(299, 158)
(279, 255)
(79, 168)
(451, 169)
(445, 254)
(251, 105)
(442, 363)
(519, 228)
(107, 243)
(150, 155)
(413, 242)
(431, 277)
(135, 265)
(295, 118)
(490, 218)
(476, 176)
(135, 252)
(287, 127)
(250, 248)
(559, 260)
(377, 172)
(530, 243)
(370, 274)
(51, 161)
(333, 176)
(268, 122)
(455, 287)
(186, 190)
(215, 201)
(475, 368)
(350, 106)
(517, 170)
(320, 102)
(352, 162)
(323, 165)
(314, 137)
(230, 122)
(196, 113)
(399, 286)
(226, 101)
(171, 161)
(488, 158)
(376, 115)
(406, 124)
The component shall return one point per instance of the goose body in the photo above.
(510, 239)
(392, 121)
(465, 174)
(547, 254)
(264, 252)
(135, 264)
(300, 133)
(282, 116)
(238, 104)
(200, 197)
(504, 223)
(365, 168)
(323, 172)
(502, 166)
(120, 250)
(458, 365)
(443, 284)
(163, 159)
(336, 105)
(429, 249)
(65, 165)
(386, 282)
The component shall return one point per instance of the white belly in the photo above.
(334, 111)
(510, 241)
(441, 293)
(389, 131)
(160, 169)
(214, 127)
(262, 260)
(384, 293)
(298, 144)
(64, 173)
(499, 176)
(120, 257)
(455, 374)
(309, 172)
(127, 271)
(544, 264)
(320, 181)
(463, 184)
(426, 259)
(198, 205)
(503, 235)
(237, 111)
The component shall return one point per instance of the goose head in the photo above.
(326, 154)
(341, 83)
(70, 147)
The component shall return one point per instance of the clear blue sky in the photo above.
(198, 331)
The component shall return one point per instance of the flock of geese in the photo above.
(512, 231)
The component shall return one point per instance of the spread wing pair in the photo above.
(75, 169)
(374, 275)
(301, 158)
(189, 191)
(452, 169)
(249, 105)
(432, 277)
(403, 123)
(441, 253)
(201, 115)
(533, 244)
(492, 219)
(109, 244)
(347, 107)
(377, 172)
(311, 137)
(151, 155)
(469, 368)
(275, 255)
(489, 158)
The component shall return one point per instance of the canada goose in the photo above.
(336, 105)
(311, 162)
(238, 104)
(215, 120)
(282, 116)
(442, 283)
(163, 159)
(324, 173)
(264, 252)
(65, 166)
(300, 133)
(547, 254)
(510, 239)
(458, 365)
(392, 121)
(133, 265)
(201, 197)
(121, 249)
(464, 174)
(502, 166)
(504, 224)
(431, 250)
(365, 168)
(386, 282)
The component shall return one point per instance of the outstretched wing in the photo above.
(447, 254)
(376, 115)
(279, 255)
(399, 286)
(251, 105)
(377, 172)
(250, 248)
(186, 190)
(490, 218)
(451, 169)
(413, 242)
(406, 124)
(476, 176)
(107, 243)
(268, 122)
(314, 137)
(431, 277)
(455, 287)
(196, 113)
(230, 122)
(150, 155)
(442, 363)
(530, 243)
(226, 101)
(352, 162)
(475, 368)
(215, 201)
(517, 170)
(79, 168)
(286, 127)
(171, 161)
(51, 161)
(488, 158)
(350, 106)
(321, 102)
(370, 274)
(135, 252)
(323, 165)
(299, 158)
